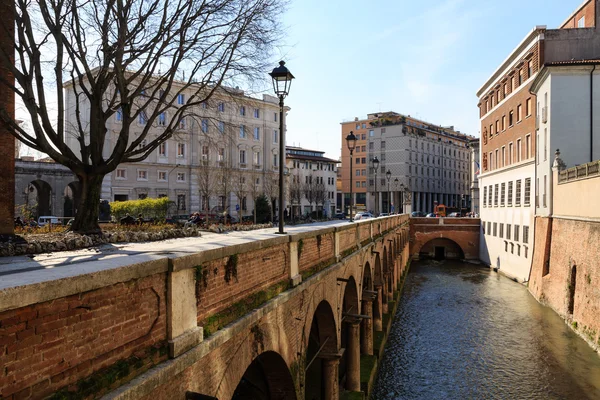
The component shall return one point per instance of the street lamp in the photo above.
(351, 143)
(402, 196)
(388, 175)
(375, 166)
(396, 186)
(282, 81)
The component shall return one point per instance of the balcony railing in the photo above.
(579, 172)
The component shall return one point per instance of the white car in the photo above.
(47, 219)
(362, 215)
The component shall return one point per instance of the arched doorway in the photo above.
(385, 279)
(267, 378)
(368, 297)
(38, 198)
(322, 356)
(378, 304)
(71, 198)
(441, 249)
(349, 371)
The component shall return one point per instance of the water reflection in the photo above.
(464, 332)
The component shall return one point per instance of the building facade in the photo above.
(474, 171)
(311, 182)
(223, 155)
(507, 111)
(360, 128)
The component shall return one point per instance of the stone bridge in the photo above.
(445, 238)
(250, 315)
(47, 188)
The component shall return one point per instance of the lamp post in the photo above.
(351, 143)
(402, 196)
(282, 81)
(375, 166)
(388, 175)
(396, 186)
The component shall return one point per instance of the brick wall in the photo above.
(462, 231)
(256, 270)
(571, 244)
(364, 232)
(588, 11)
(7, 141)
(314, 253)
(347, 239)
(51, 345)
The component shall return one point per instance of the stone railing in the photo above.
(583, 171)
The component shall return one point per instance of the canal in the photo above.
(465, 332)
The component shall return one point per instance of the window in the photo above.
(544, 194)
(503, 155)
(162, 149)
(275, 135)
(180, 98)
(357, 184)
(182, 123)
(121, 173)
(364, 125)
(485, 196)
(142, 118)
(181, 177)
(528, 107)
(142, 175)
(495, 229)
(371, 146)
(371, 133)
(204, 126)
(496, 194)
(242, 156)
(221, 127)
(490, 196)
(162, 119)
(510, 193)
(510, 118)
(275, 160)
(204, 105)
(244, 204)
(256, 133)
(242, 132)
(501, 232)
(256, 113)
(581, 22)
(180, 149)
(504, 122)
(518, 193)
(519, 113)
(205, 153)
(545, 144)
(520, 77)
(527, 199)
(275, 116)
(358, 172)
(497, 126)
(162, 176)
(489, 228)
(119, 115)
(525, 234)
(528, 146)
(508, 231)
(518, 153)
(516, 235)
(257, 158)
(502, 193)
(221, 155)
(243, 111)
(181, 202)
(221, 107)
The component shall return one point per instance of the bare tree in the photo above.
(271, 186)
(256, 189)
(295, 191)
(206, 184)
(132, 58)
(320, 192)
(225, 178)
(241, 187)
(309, 190)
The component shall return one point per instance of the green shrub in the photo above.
(149, 208)
(263, 209)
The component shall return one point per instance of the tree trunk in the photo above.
(86, 219)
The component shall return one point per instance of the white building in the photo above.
(568, 104)
(311, 176)
(224, 152)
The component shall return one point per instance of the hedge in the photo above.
(149, 208)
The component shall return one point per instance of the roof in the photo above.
(309, 158)
(545, 71)
(573, 62)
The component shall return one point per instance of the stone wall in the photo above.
(565, 274)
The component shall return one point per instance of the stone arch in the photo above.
(38, 197)
(71, 198)
(367, 297)
(321, 355)
(378, 302)
(266, 378)
(433, 249)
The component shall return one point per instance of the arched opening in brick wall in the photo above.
(350, 326)
(572, 286)
(441, 249)
(378, 302)
(71, 198)
(322, 347)
(368, 297)
(267, 378)
(386, 280)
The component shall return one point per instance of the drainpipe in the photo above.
(592, 113)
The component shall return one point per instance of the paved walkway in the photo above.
(23, 270)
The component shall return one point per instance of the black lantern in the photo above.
(375, 163)
(282, 80)
(351, 142)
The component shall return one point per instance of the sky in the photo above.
(426, 59)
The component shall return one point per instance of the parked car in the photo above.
(384, 214)
(417, 214)
(362, 215)
(340, 215)
(454, 215)
(43, 221)
(431, 215)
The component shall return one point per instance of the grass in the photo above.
(377, 340)
(367, 363)
(351, 396)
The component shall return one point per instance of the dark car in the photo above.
(340, 215)
(418, 214)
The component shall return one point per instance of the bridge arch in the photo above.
(367, 297)
(441, 248)
(321, 355)
(71, 198)
(378, 304)
(350, 337)
(38, 197)
(266, 378)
